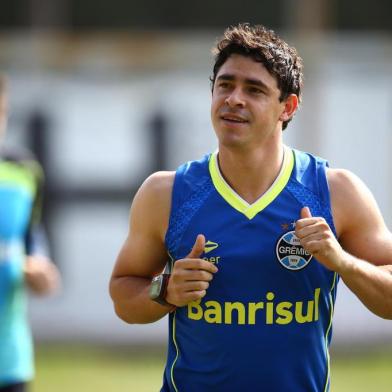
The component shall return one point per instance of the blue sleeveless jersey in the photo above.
(19, 184)
(265, 323)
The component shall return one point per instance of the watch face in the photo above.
(156, 286)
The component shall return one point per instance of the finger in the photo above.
(195, 264)
(313, 247)
(196, 286)
(305, 213)
(308, 230)
(312, 238)
(198, 247)
(201, 275)
(194, 295)
(308, 226)
(306, 220)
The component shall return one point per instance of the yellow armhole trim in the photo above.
(327, 332)
(250, 211)
(174, 338)
(177, 351)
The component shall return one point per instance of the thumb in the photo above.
(305, 213)
(198, 247)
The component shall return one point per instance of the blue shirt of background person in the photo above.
(24, 260)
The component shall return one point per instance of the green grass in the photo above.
(94, 369)
(369, 371)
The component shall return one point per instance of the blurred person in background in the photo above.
(258, 236)
(24, 260)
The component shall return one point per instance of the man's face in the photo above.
(245, 105)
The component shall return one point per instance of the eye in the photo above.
(223, 85)
(255, 90)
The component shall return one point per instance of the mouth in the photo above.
(233, 118)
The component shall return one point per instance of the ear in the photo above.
(290, 107)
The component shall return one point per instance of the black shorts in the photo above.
(19, 387)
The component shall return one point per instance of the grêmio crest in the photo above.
(290, 252)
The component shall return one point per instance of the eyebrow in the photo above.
(253, 82)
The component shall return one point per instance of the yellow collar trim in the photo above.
(236, 201)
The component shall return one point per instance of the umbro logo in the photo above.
(210, 246)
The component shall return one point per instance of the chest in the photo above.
(254, 256)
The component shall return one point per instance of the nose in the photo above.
(235, 98)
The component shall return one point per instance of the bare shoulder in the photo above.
(152, 202)
(352, 202)
(156, 189)
(357, 216)
(342, 180)
(159, 183)
(143, 252)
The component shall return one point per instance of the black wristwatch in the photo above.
(159, 285)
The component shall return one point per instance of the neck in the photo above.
(251, 173)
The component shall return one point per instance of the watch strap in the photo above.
(161, 298)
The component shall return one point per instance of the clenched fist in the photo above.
(318, 239)
(190, 277)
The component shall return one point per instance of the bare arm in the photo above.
(144, 255)
(363, 255)
(40, 273)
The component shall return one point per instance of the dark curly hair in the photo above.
(266, 47)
